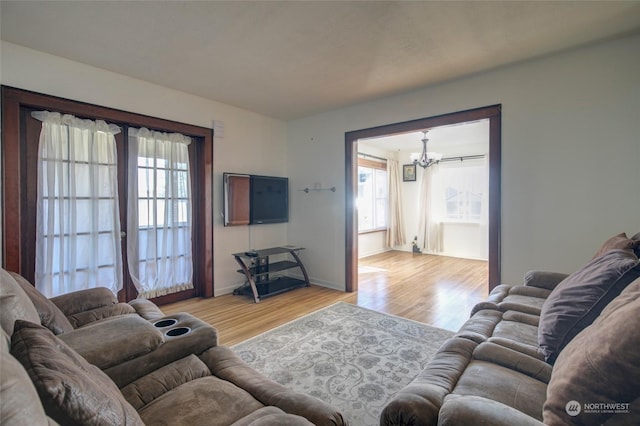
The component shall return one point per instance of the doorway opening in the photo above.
(491, 115)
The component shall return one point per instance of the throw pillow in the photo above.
(617, 242)
(636, 238)
(50, 315)
(72, 391)
(19, 402)
(578, 299)
(600, 366)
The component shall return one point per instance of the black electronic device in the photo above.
(255, 199)
(269, 199)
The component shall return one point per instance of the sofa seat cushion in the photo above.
(516, 326)
(474, 410)
(504, 385)
(576, 302)
(158, 382)
(205, 401)
(600, 366)
(72, 391)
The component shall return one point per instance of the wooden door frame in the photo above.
(15, 217)
(493, 113)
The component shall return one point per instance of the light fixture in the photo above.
(425, 159)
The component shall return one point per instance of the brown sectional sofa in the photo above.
(558, 350)
(85, 359)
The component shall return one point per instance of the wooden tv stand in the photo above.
(262, 276)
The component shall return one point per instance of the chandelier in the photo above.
(425, 159)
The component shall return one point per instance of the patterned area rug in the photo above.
(353, 358)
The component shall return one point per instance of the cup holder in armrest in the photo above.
(165, 323)
(179, 331)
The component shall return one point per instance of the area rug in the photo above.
(353, 358)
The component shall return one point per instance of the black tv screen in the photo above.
(269, 199)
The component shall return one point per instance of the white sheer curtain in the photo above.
(431, 211)
(395, 227)
(77, 225)
(159, 214)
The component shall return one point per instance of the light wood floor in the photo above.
(435, 290)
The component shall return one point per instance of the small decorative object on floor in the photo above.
(353, 358)
(414, 245)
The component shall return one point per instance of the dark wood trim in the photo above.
(15, 220)
(493, 113)
(495, 197)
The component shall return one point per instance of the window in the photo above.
(20, 140)
(464, 184)
(372, 196)
(78, 228)
(159, 219)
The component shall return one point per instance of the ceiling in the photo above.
(293, 59)
(474, 134)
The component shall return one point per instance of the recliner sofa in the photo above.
(85, 359)
(558, 350)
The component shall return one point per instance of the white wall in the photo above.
(570, 155)
(251, 143)
(570, 151)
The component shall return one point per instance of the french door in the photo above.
(20, 142)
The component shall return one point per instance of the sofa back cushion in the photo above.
(600, 366)
(72, 391)
(576, 302)
(14, 303)
(50, 315)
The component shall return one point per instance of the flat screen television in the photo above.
(253, 199)
(269, 199)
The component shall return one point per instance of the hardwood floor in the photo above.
(435, 290)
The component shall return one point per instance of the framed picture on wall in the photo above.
(409, 173)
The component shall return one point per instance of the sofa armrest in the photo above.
(228, 366)
(475, 410)
(419, 403)
(146, 309)
(544, 279)
(183, 335)
(84, 300)
(112, 342)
